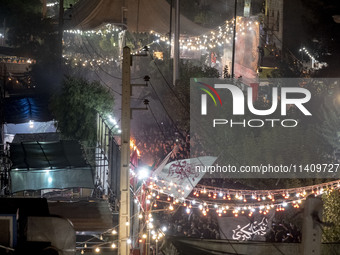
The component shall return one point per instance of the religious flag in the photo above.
(133, 166)
(134, 159)
(183, 175)
(245, 228)
(161, 165)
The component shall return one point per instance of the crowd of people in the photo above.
(283, 232)
(191, 225)
(155, 144)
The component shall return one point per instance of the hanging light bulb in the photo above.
(113, 245)
(97, 250)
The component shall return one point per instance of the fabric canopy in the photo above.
(23, 109)
(87, 216)
(184, 246)
(91, 14)
(49, 165)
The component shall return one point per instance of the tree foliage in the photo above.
(33, 36)
(26, 29)
(330, 124)
(75, 108)
(331, 215)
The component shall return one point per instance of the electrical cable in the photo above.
(169, 116)
(167, 83)
(153, 115)
(108, 86)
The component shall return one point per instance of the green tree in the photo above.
(33, 36)
(26, 29)
(75, 108)
(331, 215)
(330, 125)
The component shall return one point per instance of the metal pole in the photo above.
(234, 41)
(176, 44)
(61, 30)
(148, 243)
(124, 208)
(156, 246)
(170, 29)
(44, 8)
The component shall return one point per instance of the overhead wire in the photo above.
(180, 101)
(168, 84)
(169, 116)
(83, 45)
(154, 117)
(101, 68)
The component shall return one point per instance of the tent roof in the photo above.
(41, 137)
(23, 109)
(141, 17)
(47, 155)
(49, 165)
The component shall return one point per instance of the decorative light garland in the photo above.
(219, 37)
(108, 28)
(307, 52)
(259, 200)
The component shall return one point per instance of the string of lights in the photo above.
(259, 204)
(218, 37)
(235, 200)
(304, 50)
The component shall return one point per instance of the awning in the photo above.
(41, 137)
(49, 165)
(86, 216)
(23, 109)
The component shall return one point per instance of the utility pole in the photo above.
(124, 207)
(176, 44)
(234, 41)
(312, 226)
